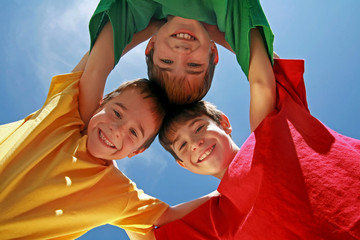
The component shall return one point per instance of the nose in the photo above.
(118, 129)
(196, 144)
(182, 47)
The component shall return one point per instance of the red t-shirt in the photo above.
(293, 178)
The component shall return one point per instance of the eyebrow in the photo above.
(165, 69)
(190, 125)
(194, 121)
(192, 72)
(122, 106)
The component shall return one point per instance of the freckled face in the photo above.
(121, 126)
(204, 146)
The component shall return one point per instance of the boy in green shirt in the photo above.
(188, 77)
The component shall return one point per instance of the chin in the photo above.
(93, 153)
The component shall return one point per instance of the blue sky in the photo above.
(42, 38)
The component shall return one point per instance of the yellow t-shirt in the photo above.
(51, 187)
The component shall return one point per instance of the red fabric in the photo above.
(293, 178)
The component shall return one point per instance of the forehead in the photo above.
(136, 106)
(129, 95)
(180, 126)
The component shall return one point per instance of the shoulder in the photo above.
(64, 83)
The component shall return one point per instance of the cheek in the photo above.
(90, 127)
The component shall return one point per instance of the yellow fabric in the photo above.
(50, 187)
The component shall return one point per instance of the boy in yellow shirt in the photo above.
(57, 175)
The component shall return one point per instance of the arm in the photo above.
(217, 36)
(262, 81)
(180, 210)
(173, 213)
(261, 76)
(81, 65)
(100, 63)
(143, 35)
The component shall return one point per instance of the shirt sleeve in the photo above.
(126, 17)
(290, 81)
(140, 213)
(241, 17)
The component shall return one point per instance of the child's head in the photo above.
(198, 136)
(127, 121)
(181, 57)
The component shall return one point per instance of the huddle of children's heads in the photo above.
(182, 58)
(127, 121)
(198, 136)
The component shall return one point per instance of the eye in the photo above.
(194, 65)
(117, 114)
(133, 132)
(166, 61)
(199, 129)
(182, 146)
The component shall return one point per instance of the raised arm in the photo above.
(99, 64)
(81, 65)
(261, 76)
(262, 81)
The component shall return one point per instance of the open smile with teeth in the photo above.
(206, 153)
(185, 36)
(105, 140)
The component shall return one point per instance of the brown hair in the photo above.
(151, 91)
(177, 89)
(180, 114)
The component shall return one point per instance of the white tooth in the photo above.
(181, 35)
(206, 154)
(105, 140)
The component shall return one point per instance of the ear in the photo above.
(150, 45)
(225, 124)
(214, 50)
(136, 152)
(181, 163)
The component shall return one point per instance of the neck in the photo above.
(231, 157)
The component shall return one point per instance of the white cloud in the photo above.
(62, 36)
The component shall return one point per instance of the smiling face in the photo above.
(182, 48)
(120, 127)
(203, 146)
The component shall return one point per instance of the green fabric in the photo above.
(234, 17)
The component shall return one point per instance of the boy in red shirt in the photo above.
(293, 178)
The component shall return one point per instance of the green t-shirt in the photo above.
(234, 17)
